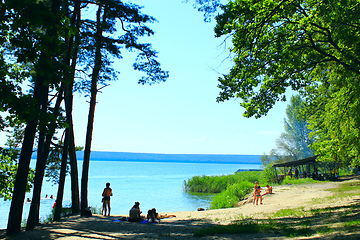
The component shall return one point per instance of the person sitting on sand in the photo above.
(153, 216)
(134, 213)
(268, 190)
(258, 195)
(106, 199)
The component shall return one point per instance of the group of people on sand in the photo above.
(152, 216)
(134, 213)
(257, 193)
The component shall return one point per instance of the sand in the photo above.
(182, 226)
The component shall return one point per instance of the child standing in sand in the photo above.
(258, 195)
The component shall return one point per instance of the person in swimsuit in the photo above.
(268, 190)
(256, 184)
(154, 217)
(134, 213)
(106, 199)
(258, 195)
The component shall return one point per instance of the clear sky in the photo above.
(180, 115)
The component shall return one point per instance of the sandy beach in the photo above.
(309, 196)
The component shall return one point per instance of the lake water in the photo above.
(153, 184)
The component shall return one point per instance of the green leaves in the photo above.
(309, 46)
(9, 166)
(278, 44)
(336, 127)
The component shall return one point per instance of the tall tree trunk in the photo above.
(17, 203)
(60, 193)
(89, 131)
(72, 55)
(33, 218)
(75, 196)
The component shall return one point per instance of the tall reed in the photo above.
(217, 184)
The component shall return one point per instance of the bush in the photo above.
(232, 195)
(231, 188)
(289, 180)
(268, 174)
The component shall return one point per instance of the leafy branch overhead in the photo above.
(307, 46)
(123, 24)
(280, 45)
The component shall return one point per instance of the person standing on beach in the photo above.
(106, 199)
(258, 195)
(255, 187)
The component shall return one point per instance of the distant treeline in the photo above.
(158, 157)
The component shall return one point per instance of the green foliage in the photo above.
(261, 226)
(297, 222)
(309, 46)
(335, 122)
(129, 24)
(216, 184)
(209, 7)
(231, 188)
(295, 212)
(9, 162)
(293, 144)
(65, 211)
(295, 141)
(232, 195)
(268, 174)
(8, 169)
(278, 45)
(289, 180)
(345, 171)
(7, 176)
(53, 164)
(96, 210)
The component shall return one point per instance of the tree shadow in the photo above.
(341, 222)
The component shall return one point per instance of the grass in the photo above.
(65, 211)
(293, 212)
(316, 222)
(333, 222)
(289, 180)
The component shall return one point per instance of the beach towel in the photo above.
(147, 222)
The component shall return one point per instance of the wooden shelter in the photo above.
(303, 166)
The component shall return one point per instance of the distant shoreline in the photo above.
(170, 158)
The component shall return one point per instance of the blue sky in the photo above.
(180, 115)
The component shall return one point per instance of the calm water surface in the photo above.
(153, 184)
